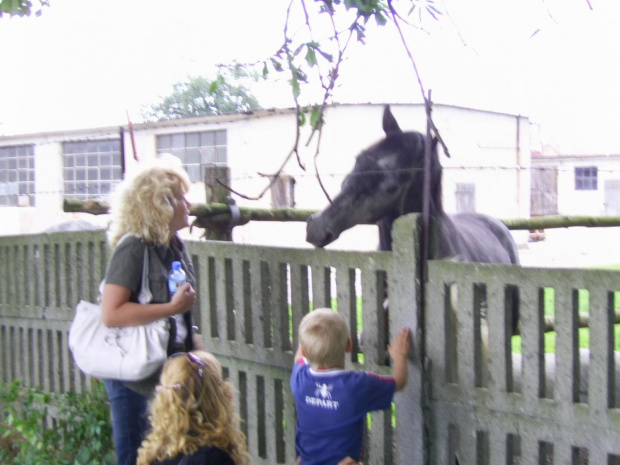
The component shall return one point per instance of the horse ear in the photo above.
(390, 126)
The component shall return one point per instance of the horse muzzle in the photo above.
(316, 232)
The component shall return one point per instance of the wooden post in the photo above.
(215, 192)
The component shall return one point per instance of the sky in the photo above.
(85, 63)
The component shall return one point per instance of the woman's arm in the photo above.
(118, 311)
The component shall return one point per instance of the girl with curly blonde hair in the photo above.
(193, 418)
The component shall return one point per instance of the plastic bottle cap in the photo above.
(176, 265)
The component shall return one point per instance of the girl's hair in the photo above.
(324, 337)
(191, 409)
(143, 202)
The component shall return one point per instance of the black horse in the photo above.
(387, 182)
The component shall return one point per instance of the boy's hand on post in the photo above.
(398, 350)
(400, 346)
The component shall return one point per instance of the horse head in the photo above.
(386, 182)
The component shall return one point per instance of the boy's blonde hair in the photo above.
(193, 407)
(324, 337)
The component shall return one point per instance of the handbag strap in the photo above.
(145, 295)
(145, 269)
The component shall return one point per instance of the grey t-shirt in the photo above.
(125, 269)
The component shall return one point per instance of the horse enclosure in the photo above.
(465, 397)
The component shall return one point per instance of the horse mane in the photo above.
(411, 145)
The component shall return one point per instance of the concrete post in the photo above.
(404, 295)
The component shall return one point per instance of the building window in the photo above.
(91, 169)
(283, 192)
(196, 150)
(465, 197)
(17, 176)
(586, 178)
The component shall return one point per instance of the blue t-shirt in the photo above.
(331, 409)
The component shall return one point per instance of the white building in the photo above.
(575, 184)
(488, 168)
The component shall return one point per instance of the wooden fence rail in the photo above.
(217, 215)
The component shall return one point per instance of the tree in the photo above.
(200, 96)
(312, 57)
(20, 7)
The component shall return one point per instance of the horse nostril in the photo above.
(329, 237)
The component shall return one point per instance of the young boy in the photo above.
(332, 402)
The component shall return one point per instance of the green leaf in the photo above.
(295, 85)
(360, 31)
(276, 65)
(380, 19)
(315, 117)
(16, 7)
(311, 57)
(213, 86)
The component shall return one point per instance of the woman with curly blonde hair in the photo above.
(150, 208)
(193, 418)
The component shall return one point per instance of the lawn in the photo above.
(584, 333)
(549, 305)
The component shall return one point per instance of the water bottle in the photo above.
(176, 277)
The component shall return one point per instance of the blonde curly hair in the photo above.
(192, 408)
(143, 202)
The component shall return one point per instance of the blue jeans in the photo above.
(129, 420)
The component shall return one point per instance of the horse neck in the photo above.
(412, 203)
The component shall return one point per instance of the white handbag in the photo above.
(129, 354)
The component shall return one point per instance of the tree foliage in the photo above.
(81, 431)
(200, 96)
(20, 7)
(312, 55)
(317, 38)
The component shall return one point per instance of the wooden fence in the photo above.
(482, 404)
(491, 406)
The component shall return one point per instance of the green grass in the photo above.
(584, 333)
(549, 310)
(550, 337)
(609, 267)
